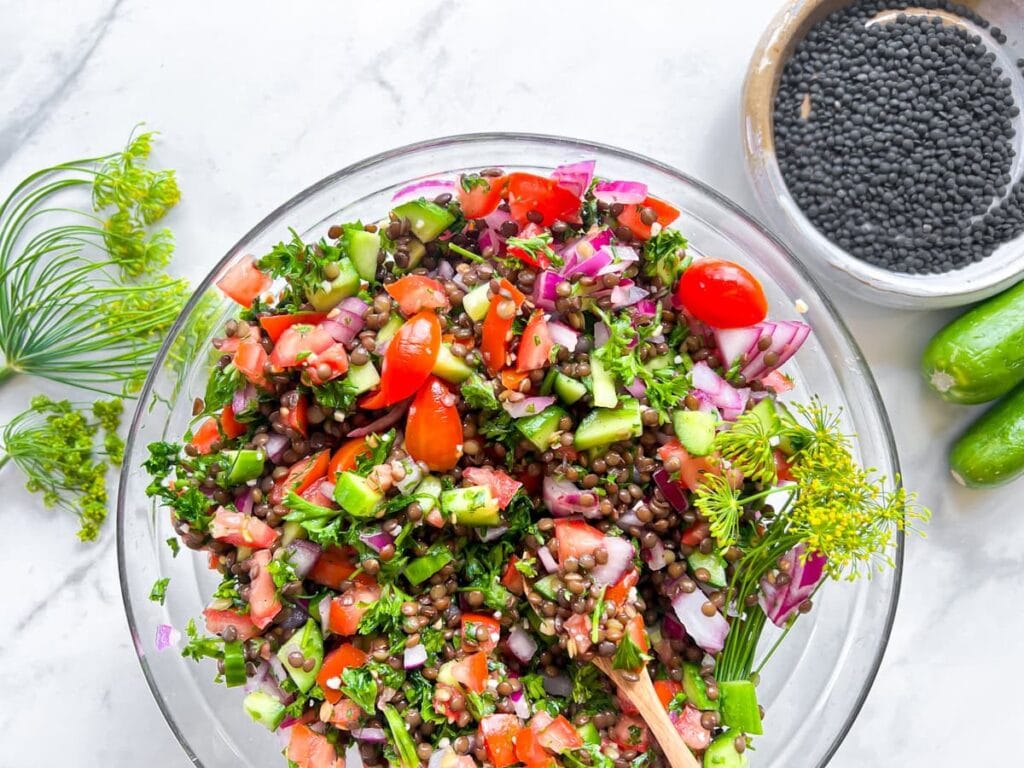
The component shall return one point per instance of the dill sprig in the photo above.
(747, 445)
(58, 446)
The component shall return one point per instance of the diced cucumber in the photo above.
(292, 530)
(428, 220)
(547, 586)
(355, 495)
(310, 643)
(264, 708)
(477, 302)
(363, 249)
(390, 329)
(428, 493)
(470, 506)
(696, 689)
(712, 563)
(422, 568)
(446, 674)
(739, 706)
(767, 415)
(659, 362)
(604, 385)
(363, 378)
(721, 753)
(695, 430)
(609, 425)
(568, 389)
(589, 733)
(331, 292)
(234, 664)
(539, 428)
(244, 465)
(549, 381)
(416, 253)
(451, 368)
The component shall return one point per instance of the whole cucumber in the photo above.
(980, 355)
(991, 451)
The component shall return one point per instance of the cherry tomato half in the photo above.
(480, 195)
(527, 192)
(433, 433)
(722, 294)
(417, 292)
(409, 358)
(244, 282)
(535, 345)
(497, 327)
(630, 216)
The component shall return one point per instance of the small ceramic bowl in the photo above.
(833, 264)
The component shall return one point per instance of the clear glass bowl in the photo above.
(816, 683)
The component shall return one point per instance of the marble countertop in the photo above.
(257, 100)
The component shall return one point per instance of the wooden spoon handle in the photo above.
(643, 696)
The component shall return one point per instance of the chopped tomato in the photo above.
(308, 749)
(777, 381)
(302, 474)
(345, 457)
(263, 602)
(297, 416)
(618, 592)
(497, 329)
(499, 734)
(471, 671)
(244, 282)
(530, 751)
(782, 467)
(337, 661)
(688, 724)
(576, 538)
(333, 362)
(231, 426)
(560, 735)
(630, 216)
(409, 358)
(251, 359)
(218, 621)
(722, 294)
(666, 691)
(695, 534)
(242, 530)
(335, 565)
(480, 195)
(275, 325)
(512, 579)
(502, 487)
(348, 608)
(635, 629)
(346, 714)
(693, 467)
(528, 192)
(472, 624)
(298, 343)
(578, 627)
(630, 732)
(535, 346)
(414, 293)
(536, 258)
(320, 493)
(435, 518)
(511, 379)
(204, 437)
(433, 432)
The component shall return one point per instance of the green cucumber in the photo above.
(234, 664)
(604, 385)
(389, 330)
(589, 733)
(310, 643)
(739, 706)
(422, 568)
(363, 378)
(428, 220)
(244, 465)
(416, 253)
(767, 415)
(695, 430)
(980, 355)
(991, 451)
(355, 495)
(712, 563)
(547, 586)
(331, 292)
(451, 368)
(540, 427)
(264, 708)
(696, 689)
(659, 362)
(568, 389)
(721, 753)
(477, 302)
(609, 425)
(471, 506)
(363, 249)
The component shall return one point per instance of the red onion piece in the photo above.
(324, 609)
(376, 540)
(303, 555)
(625, 192)
(528, 406)
(276, 446)
(521, 644)
(620, 560)
(415, 657)
(166, 636)
(589, 266)
(445, 270)
(547, 560)
(369, 735)
(575, 177)
(622, 257)
(522, 706)
(786, 338)
(244, 399)
(244, 502)
(720, 393)
(733, 343)
(496, 218)
(781, 603)
(707, 631)
(429, 188)
(559, 685)
(626, 294)
(637, 388)
(562, 499)
(646, 308)
(654, 556)
(355, 305)
(384, 422)
(544, 289)
(671, 628)
(492, 534)
(343, 327)
(563, 335)
(671, 490)
(601, 334)
(488, 240)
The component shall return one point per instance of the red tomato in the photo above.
(298, 343)
(630, 216)
(575, 539)
(335, 565)
(471, 625)
(297, 417)
(242, 530)
(560, 735)
(345, 457)
(244, 282)
(414, 293)
(251, 360)
(499, 734)
(618, 593)
(497, 329)
(480, 195)
(471, 671)
(695, 534)
(782, 467)
(335, 358)
(502, 487)
(721, 294)
(302, 474)
(666, 690)
(204, 437)
(512, 579)
(320, 493)
(218, 621)
(512, 379)
(635, 628)
(275, 325)
(348, 608)
(578, 628)
(630, 732)
(308, 749)
(263, 602)
(693, 467)
(539, 260)
(530, 751)
(337, 661)
(688, 725)
(527, 192)
(535, 345)
(409, 358)
(231, 426)
(433, 432)
(346, 714)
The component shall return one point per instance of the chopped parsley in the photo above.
(159, 591)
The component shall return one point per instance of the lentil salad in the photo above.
(451, 456)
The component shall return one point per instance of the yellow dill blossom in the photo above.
(748, 446)
(720, 503)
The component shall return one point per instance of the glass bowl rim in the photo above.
(478, 138)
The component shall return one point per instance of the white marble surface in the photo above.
(255, 101)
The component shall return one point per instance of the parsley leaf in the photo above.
(380, 447)
(358, 684)
(339, 394)
(199, 646)
(385, 615)
(159, 591)
(174, 546)
(478, 393)
(665, 255)
(627, 655)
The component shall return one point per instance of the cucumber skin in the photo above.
(981, 352)
(991, 451)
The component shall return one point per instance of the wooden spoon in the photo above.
(641, 694)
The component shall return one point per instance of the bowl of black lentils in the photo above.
(885, 142)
